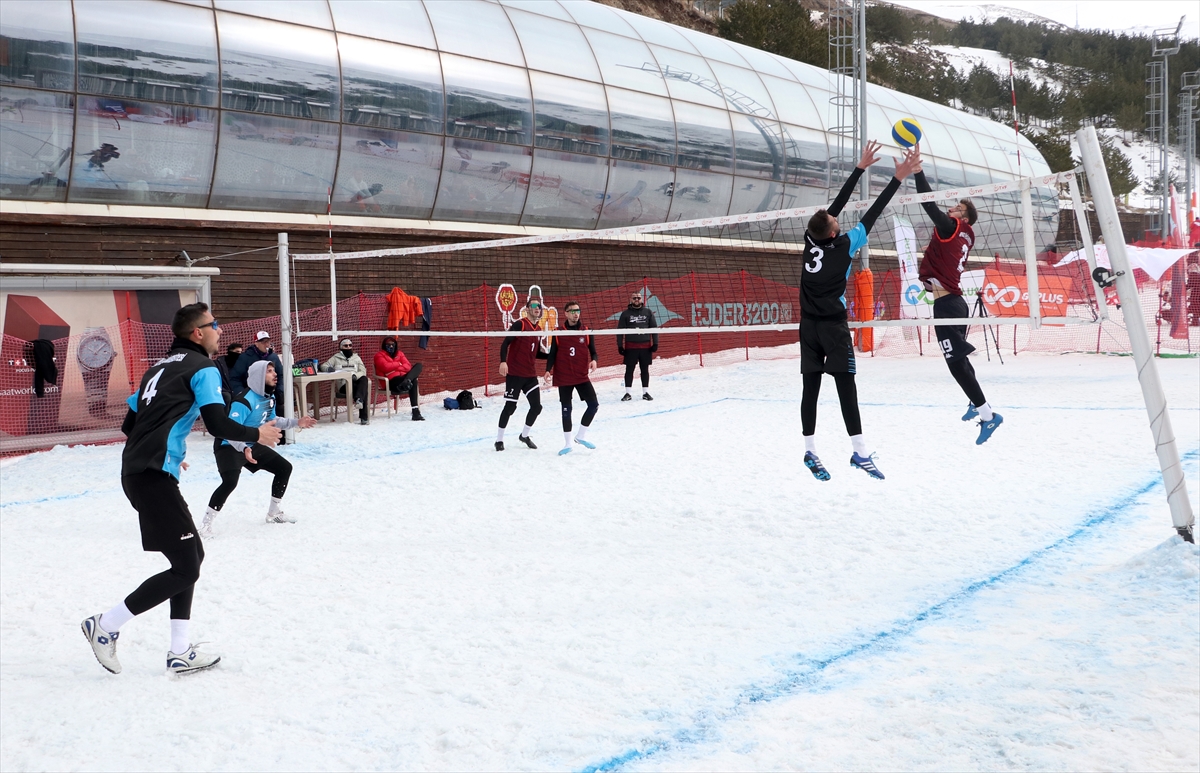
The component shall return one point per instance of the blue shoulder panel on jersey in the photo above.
(206, 386)
(858, 237)
(131, 401)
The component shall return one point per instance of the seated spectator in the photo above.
(225, 365)
(347, 360)
(259, 350)
(402, 376)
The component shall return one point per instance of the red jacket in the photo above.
(391, 366)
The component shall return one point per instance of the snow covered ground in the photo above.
(684, 597)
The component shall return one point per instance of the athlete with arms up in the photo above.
(825, 342)
(518, 361)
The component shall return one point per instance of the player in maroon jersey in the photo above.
(518, 365)
(570, 362)
(940, 271)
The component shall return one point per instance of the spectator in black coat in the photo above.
(260, 350)
(225, 365)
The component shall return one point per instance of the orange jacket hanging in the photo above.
(403, 309)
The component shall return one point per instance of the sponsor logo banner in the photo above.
(1007, 295)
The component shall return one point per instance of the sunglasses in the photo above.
(535, 305)
(572, 311)
(215, 325)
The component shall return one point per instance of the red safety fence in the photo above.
(100, 368)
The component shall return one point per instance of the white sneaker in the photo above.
(104, 644)
(205, 529)
(279, 517)
(192, 660)
(358, 406)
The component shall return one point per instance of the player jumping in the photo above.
(571, 359)
(253, 408)
(518, 359)
(825, 342)
(941, 271)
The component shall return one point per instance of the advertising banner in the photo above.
(1007, 295)
(914, 301)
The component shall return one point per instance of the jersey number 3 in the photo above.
(151, 387)
(818, 255)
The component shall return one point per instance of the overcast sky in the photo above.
(1112, 15)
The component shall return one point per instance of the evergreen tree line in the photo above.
(1099, 76)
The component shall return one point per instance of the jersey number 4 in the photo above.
(818, 255)
(151, 387)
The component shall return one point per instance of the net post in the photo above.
(699, 338)
(1031, 276)
(745, 311)
(1139, 338)
(333, 327)
(487, 368)
(285, 332)
(1089, 250)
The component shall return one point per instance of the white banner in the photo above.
(1155, 261)
(915, 303)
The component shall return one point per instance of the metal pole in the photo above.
(1166, 155)
(1139, 338)
(861, 44)
(1031, 275)
(285, 334)
(1089, 250)
(333, 297)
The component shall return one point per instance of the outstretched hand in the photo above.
(870, 154)
(306, 422)
(910, 163)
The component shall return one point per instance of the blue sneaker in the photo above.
(866, 464)
(564, 451)
(586, 444)
(986, 428)
(814, 465)
(971, 412)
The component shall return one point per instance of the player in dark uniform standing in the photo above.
(570, 362)
(637, 348)
(941, 272)
(175, 391)
(518, 365)
(825, 342)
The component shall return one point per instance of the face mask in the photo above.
(347, 353)
(389, 348)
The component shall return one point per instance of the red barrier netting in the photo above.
(87, 406)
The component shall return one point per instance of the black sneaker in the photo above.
(646, 396)
(527, 441)
(417, 415)
(499, 445)
(626, 398)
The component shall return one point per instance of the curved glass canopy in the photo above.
(560, 113)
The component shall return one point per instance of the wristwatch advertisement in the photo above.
(95, 356)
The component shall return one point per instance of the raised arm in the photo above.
(904, 167)
(869, 156)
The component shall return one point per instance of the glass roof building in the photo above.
(541, 113)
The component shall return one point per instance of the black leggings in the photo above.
(230, 462)
(964, 374)
(847, 396)
(587, 393)
(640, 358)
(177, 583)
(515, 386)
(398, 385)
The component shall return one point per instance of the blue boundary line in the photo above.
(704, 726)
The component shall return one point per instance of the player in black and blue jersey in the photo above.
(174, 392)
(825, 342)
(253, 407)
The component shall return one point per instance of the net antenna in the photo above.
(1165, 446)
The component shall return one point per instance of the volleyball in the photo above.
(906, 132)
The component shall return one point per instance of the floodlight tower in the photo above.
(1166, 45)
(1190, 96)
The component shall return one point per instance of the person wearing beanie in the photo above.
(402, 375)
(252, 408)
(348, 360)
